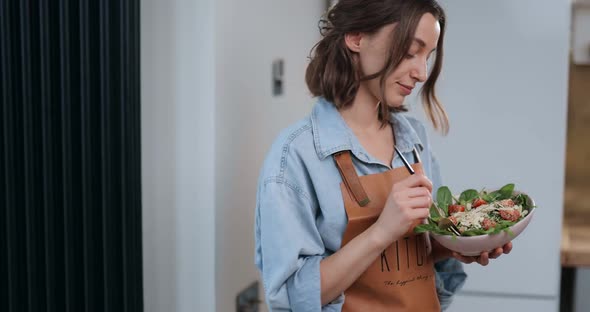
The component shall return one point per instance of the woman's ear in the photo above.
(353, 41)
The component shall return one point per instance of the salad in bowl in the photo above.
(476, 221)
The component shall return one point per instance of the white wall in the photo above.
(178, 75)
(505, 88)
(207, 120)
(250, 35)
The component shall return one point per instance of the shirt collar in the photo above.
(331, 134)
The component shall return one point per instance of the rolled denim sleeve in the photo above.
(450, 278)
(289, 248)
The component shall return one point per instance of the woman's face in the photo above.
(374, 49)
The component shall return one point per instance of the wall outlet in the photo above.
(248, 300)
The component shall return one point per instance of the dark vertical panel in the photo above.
(3, 246)
(8, 198)
(71, 155)
(69, 163)
(86, 153)
(27, 140)
(15, 227)
(52, 181)
(91, 157)
(116, 162)
(67, 234)
(48, 141)
(567, 289)
(109, 27)
(123, 109)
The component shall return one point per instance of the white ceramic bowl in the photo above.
(475, 245)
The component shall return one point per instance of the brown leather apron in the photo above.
(402, 278)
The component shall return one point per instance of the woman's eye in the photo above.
(410, 56)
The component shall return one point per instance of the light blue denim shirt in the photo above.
(300, 215)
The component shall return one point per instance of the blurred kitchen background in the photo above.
(516, 84)
(209, 115)
(213, 82)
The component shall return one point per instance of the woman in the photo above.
(335, 206)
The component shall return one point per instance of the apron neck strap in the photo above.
(351, 178)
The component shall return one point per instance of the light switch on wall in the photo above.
(277, 77)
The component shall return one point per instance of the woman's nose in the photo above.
(420, 72)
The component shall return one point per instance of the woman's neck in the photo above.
(363, 115)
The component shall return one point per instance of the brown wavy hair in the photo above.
(332, 72)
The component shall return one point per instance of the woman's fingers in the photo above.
(419, 213)
(483, 258)
(507, 248)
(415, 180)
(419, 191)
(496, 253)
(418, 202)
(464, 259)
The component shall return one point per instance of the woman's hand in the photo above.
(484, 257)
(408, 202)
(440, 253)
